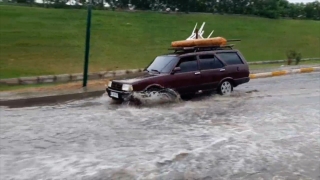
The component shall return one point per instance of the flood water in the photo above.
(267, 129)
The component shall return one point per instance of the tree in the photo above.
(264, 8)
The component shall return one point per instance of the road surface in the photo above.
(268, 129)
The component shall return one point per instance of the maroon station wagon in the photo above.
(188, 72)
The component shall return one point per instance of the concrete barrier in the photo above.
(76, 77)
(260, 75)
(279, 61)
(46, 79)
(62, 78)
(28, 80)
(93, 76)
(2, 81)
(11, 81)
(284, 72)
(108, 74)
(120, 72)
(129, 71)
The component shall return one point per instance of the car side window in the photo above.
(188, 64)
(209, 62)
(230, 58)
(218, 63)
(206, 61)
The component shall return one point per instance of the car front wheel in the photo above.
(226, 88)
(153, 90)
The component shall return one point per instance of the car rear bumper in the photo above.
(241, 81)
(118, 95)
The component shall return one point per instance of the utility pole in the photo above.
(87, 46)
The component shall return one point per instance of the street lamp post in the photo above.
(87, 46)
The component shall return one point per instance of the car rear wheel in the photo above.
(225, 88)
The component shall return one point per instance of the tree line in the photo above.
(264, 8)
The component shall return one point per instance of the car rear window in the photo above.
(209, 62)
(230, 57)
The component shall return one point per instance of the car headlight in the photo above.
(109, 83)
(127, 87)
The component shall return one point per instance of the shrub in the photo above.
(298, 58)
(292, 54)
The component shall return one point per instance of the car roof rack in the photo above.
(182, 47)
(183, 50)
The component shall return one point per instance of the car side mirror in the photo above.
(176, 69)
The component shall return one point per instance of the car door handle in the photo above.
(197, 73)
(221, 70)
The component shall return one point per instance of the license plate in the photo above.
(113, 94)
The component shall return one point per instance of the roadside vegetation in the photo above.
(39, 41)
(270, 9)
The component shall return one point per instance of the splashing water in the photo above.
(154, 97)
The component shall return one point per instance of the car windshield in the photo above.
(163, 64)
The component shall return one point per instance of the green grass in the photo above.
(38, 41)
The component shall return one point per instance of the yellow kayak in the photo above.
(216, 41)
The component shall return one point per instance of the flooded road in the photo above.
(268, 129)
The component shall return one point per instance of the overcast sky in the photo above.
(298, 1)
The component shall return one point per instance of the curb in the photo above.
(53, 99)
(50, 99)
(284, 72)
(279, 61)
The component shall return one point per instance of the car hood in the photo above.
(131, 79)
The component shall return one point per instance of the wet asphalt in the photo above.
(267, 129)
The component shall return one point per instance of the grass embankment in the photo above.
(38, 41)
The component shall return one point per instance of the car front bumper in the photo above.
(118, 95)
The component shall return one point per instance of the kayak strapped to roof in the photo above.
(196, 40)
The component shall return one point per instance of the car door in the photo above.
(212, 71)
(235, 66)
(187, 79)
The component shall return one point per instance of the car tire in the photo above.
(153, 89)
(225, 88)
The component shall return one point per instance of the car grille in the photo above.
(116, 86)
